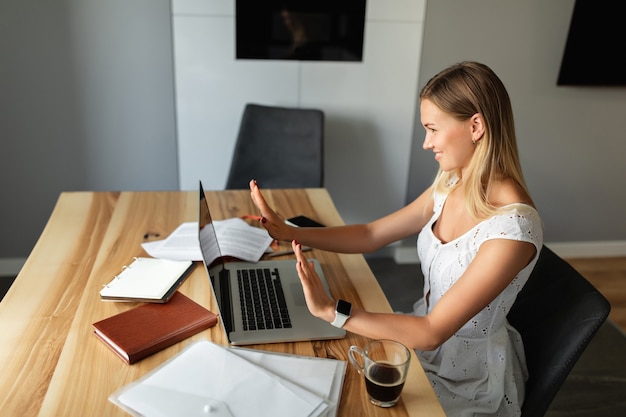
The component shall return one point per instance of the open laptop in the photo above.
(247, 321)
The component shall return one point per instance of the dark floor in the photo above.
(596, 387)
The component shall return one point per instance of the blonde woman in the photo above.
(479, 239)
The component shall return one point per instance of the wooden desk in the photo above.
(51, 363)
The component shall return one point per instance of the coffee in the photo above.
(383, 381)
(384, 364)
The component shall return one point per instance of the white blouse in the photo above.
(481, 369)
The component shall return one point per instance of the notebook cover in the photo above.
(149, 328)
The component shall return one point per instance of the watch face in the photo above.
(344, 307)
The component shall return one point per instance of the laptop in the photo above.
(279, 315)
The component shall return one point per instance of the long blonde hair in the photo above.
(463, 90)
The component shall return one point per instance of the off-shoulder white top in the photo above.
(480, 370)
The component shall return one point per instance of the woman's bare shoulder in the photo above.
(507, 191)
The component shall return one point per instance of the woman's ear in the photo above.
(477, 125)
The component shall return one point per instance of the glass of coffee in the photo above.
(384, 364)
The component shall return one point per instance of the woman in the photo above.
(479, 239)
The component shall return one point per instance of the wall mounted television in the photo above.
(303, 30)
(596, 45)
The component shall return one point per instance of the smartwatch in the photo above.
(342, 313)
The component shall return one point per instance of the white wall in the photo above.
(369, 106)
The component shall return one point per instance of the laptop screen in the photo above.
(206, 232)
(212, 261)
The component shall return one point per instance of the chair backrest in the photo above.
(280, 147)
(557, 313)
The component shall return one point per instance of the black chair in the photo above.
(557, 313)
(280, 147)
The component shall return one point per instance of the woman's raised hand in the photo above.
(270, 220)
(318, 302)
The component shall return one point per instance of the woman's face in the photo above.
(449, 138)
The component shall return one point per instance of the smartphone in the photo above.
(303, 221)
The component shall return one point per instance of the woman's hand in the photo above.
(317, 300)
(272, 222)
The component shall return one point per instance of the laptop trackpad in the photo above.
(298, 295)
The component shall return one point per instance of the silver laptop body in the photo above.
(229, 281)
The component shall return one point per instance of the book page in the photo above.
(236, 238)
(145, 278)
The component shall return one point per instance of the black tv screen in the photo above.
(304, 30)
(594, 51)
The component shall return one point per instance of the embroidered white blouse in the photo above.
(481, 369)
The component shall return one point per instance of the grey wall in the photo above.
(571, 139)
(86, 103)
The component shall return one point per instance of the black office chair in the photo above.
(280, 147)
(557, 313)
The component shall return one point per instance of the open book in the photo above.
(237, 239)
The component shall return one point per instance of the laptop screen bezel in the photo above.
(215, 267)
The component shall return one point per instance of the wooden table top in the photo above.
(52, 364)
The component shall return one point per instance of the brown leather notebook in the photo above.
(149, 328)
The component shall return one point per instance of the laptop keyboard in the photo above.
(262, 299)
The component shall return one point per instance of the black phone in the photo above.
(303, 221)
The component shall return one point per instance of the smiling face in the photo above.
(450, 139)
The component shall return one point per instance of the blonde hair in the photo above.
(463, 90)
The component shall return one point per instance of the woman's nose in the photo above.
(427, 145)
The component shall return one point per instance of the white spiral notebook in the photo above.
(149, 280)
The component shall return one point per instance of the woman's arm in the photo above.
(358, 238)
(497, 263)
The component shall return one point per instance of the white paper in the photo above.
(167, 402)
(321, 376)
(181, 245)
(145, 278)
(209, 377)
(236, 238)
